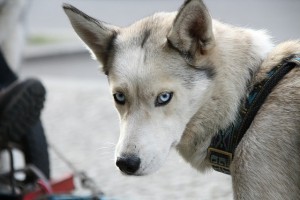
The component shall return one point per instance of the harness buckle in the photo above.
(220, 160)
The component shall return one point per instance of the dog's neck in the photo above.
(215, 114)
(223, 97)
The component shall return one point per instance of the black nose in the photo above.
(128, 164)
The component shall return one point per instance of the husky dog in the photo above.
(178, 78)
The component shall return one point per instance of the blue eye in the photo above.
(119, 98)
(163, 98)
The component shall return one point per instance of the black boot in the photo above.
(20, 107)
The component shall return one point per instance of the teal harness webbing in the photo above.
(224, 143)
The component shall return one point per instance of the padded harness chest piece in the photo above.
(224, 143)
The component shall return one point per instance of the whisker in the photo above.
(101, 148)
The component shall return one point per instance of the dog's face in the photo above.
(156, 94)
(158, 71)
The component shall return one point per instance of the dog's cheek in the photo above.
(153, 156)
(152, 165)
(182, 110)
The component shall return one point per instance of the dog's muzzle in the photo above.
(128, 164)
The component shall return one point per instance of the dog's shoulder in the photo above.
(285, 97)
(277, 55)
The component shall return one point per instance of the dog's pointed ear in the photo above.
(192, 33)
(97, 35)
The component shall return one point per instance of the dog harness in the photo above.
(224, 143)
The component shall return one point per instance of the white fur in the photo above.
(261, 42)
(210, 67)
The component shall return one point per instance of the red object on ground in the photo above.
(65, 185)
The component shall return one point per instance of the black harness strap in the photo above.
(223, 145)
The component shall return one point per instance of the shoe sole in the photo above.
(23, 111)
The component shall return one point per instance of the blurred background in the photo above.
(79, 116)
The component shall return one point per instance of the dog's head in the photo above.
(158, 70)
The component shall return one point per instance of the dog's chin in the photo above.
(137, 174)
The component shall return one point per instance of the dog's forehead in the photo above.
(139, 70)
(137, 67)
(139, 48)
(150, 30)
(142, 58)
